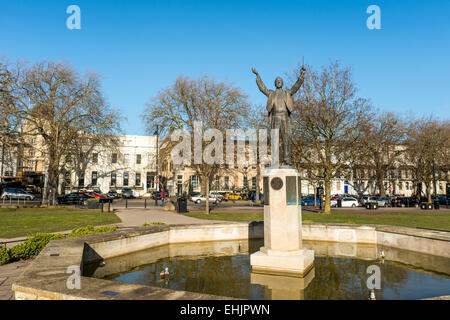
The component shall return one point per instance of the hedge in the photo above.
(33, 245)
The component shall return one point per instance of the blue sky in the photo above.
(140, 47)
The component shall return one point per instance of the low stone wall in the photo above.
(46, 277)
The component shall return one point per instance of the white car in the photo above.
(14, 193)
(347, 202)
(200, 198)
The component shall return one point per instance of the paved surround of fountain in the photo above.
(46, 277)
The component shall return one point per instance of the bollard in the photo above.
(145, 203)
(126, 203)
(102, 205)
(109, 205)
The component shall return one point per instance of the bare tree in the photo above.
(427, 150)
(53, 101)
(327, 122)
(217, 105)
(380, 148)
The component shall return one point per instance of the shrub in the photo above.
(32, 246)
(89, 230)
(4, 255)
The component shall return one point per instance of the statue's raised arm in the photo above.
(299, 82)
(260, 84)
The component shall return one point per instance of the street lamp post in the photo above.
(434, 184)
(157, 164)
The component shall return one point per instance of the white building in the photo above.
(132, 165)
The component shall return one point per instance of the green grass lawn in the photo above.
(432, 220)
(27, 221)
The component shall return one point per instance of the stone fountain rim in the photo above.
(46, 276)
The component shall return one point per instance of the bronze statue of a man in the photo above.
(280, 105)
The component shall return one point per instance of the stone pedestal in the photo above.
(283, 253)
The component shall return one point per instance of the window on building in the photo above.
(113, 178)
(338, 186)
(150, 181)
(30, 165)
(125, 179)
(194, 182)
(138, 159)
(94, 178)
(407, 185)
(31, 153)
(138, 180)
(67, 178)
(227, 182)
(245, 182)
(400, 186)
(253, 183)
(114, 158)
(95, 158)
(81, 180)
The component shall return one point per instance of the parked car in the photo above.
(113, 194)
(404, 202)
(74, 198)
(127, 193)
(234, 196)
(347, 202)
(383, 202)
(217, 195)
(309, 201)
(92, 194)
(14, 193)
(201, 198)
(31, 189)
(366, 199)
(443, 200)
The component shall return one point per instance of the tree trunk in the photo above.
(428, 185)
(207, 194)
(381, 185)
(327, 206)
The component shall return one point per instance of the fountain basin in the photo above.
(46, 277)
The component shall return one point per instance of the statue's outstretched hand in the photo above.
(254, 71)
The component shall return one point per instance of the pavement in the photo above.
(131, 217)
(8, 274)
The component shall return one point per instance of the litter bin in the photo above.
(181, 205)
(339, 203)
(436, 204)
